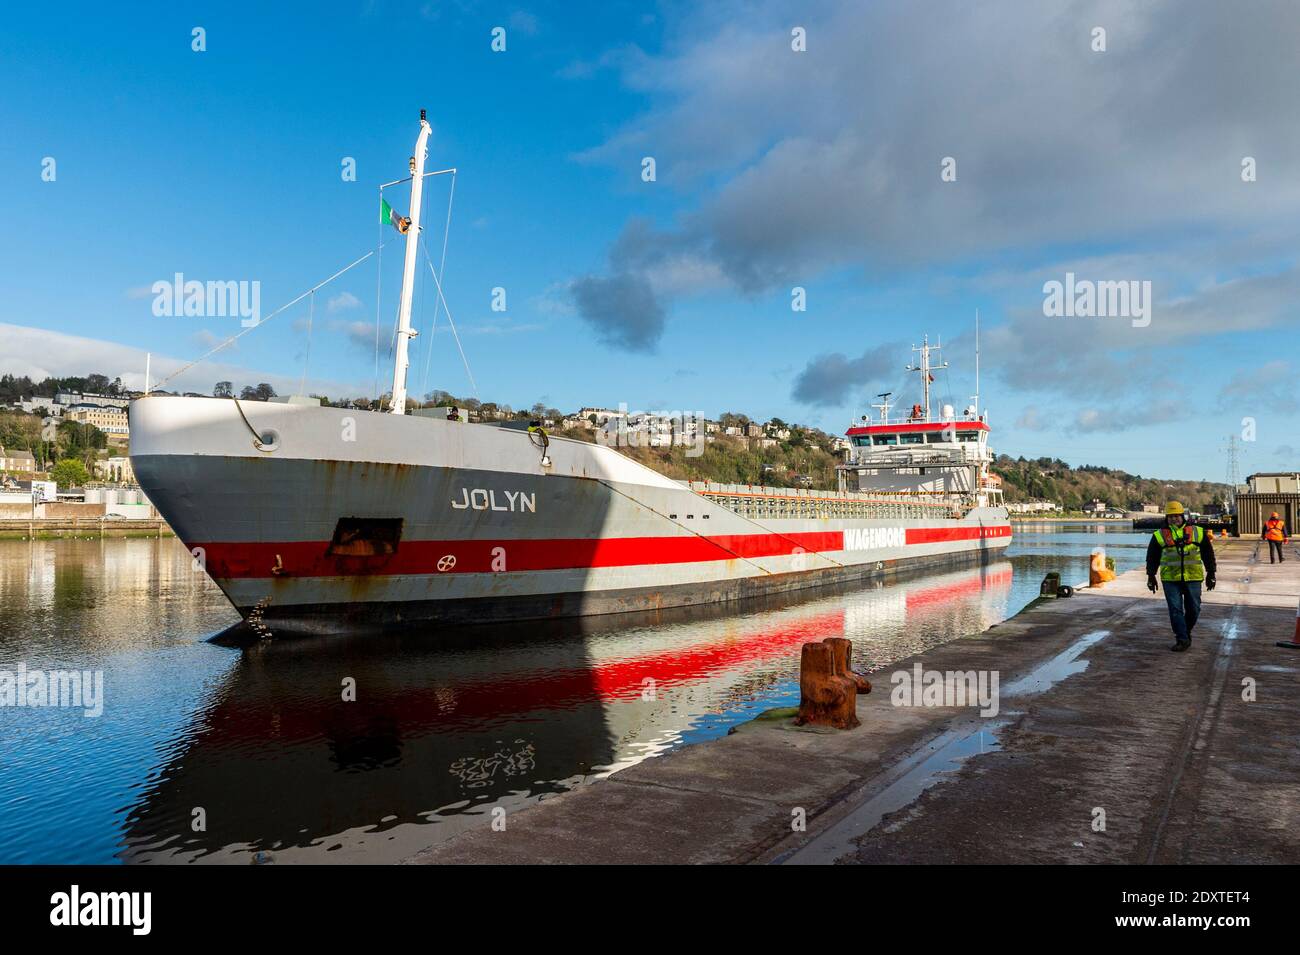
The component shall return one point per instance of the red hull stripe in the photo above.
(227, 560)
(942, 535)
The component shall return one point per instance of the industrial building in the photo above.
(1264, 493)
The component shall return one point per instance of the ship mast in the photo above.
(924, 368)
(404, 331)
(884, 406)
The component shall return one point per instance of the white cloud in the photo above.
(361, 334)
(1032, 420)
(799, 164)
(524, 22)
(1268, 386)
(39, 353)
(206, 340)
(342, 302)
(1106, 420)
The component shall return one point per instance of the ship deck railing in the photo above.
(760, 501)
(891, 457)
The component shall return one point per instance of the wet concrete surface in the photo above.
(1106, 748)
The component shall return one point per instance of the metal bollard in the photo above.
(828, 687)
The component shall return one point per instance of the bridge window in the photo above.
(916, 438)
(968, 435)
(884, 439)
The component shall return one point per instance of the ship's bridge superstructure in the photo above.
(917, 444)
(943, 459)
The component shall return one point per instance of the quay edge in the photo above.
(1185, 769)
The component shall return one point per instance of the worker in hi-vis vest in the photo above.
(1184, 556)
(1275, 534)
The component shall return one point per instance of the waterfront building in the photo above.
(1264, 493)
(71, 398)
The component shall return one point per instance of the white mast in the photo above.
(924, 368)
(884, 406)
(976, 396)
(404, 332)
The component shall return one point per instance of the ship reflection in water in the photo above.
(261, 747)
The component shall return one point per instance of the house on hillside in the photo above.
(17, 462)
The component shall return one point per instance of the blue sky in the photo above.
(775, 169)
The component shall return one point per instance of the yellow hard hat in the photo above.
(1173, 507)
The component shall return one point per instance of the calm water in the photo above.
(444, 727)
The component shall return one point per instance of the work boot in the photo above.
(1180, 646)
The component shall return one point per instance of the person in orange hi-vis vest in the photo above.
(1275, 534)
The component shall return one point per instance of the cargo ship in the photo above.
(322, 519)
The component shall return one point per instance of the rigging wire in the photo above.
(442, 273)
(234, 338)
(450, 321)
(379, 288)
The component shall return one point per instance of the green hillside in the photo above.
(1053, 480)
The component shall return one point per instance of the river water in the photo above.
(204, 753)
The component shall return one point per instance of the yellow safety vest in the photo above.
(1180, 553)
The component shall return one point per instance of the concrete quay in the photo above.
(1105, 748)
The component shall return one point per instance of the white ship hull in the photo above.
(345, 519)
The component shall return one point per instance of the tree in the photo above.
(730, 419)
(262, 392)
(69, 472)
(76, 437)
(223, 389)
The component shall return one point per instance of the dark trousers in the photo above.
(1184, 600)
(1275, 549)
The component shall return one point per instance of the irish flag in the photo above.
(387, 214)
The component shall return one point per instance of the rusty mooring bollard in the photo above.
(842, 650)
(828, 687)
